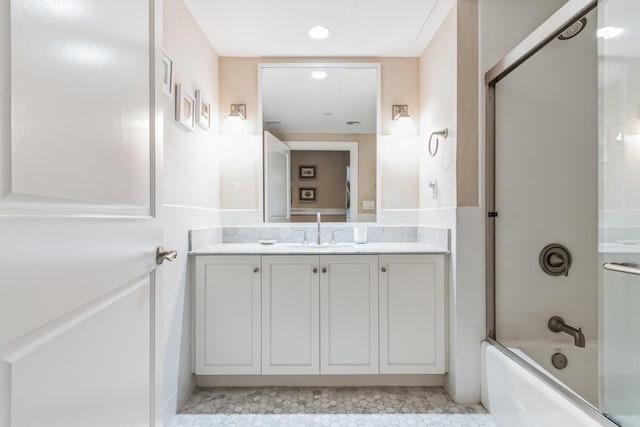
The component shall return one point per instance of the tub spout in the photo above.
(556, 324)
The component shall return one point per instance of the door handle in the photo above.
(161, 255)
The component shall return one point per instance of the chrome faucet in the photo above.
(318, 220)
(556, 324)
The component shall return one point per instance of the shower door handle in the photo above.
(628, 268)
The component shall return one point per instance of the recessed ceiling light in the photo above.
(319, 32)
(609, 32)
(319, 75)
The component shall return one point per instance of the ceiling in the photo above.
(358, 27)
(300, 103)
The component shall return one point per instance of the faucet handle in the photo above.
(305, 241)
(333, 240)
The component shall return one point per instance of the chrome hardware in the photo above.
(559, 361)
(315, 270)
(333, 240)
(443, 133)
(383, 269)
(305, 241)
(556, 324)
(555, 260)
(623, 267)
(161, 255)
(318, 221)
(324, 269)
(256, 270)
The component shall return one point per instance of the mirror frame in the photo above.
(372, 65)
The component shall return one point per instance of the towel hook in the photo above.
(443, 133)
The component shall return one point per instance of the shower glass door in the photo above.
(619, 209)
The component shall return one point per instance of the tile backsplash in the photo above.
(438, 237)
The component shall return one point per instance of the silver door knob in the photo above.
(161, 255)
(383, 269)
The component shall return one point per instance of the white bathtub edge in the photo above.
(516, 397)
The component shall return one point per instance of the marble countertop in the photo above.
(298, 249)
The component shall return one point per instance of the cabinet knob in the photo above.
(383, 269)
(324, 269)
(315, 270)
(256, 270)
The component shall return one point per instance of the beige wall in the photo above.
(191, 166)
(467, 168)
(239, 84)
(330, 181)
(449, 99)
(240, 166)
(191, 193)
(438, 98)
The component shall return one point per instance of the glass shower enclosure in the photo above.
(563, 205)
(619, 209)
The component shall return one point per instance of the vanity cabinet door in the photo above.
(412, 314)
(290, 318)
(349, 314)
(227, 326)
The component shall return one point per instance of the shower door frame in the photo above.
(545, 33)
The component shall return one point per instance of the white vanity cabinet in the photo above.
(320, 314)
(227, 315)
(310, 314)
(349, 314)
(290, 314)
(412, 314)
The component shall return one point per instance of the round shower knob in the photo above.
(555, 260)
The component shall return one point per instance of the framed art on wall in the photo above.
(306, 172)
(308, 194)
(185, 108)
(167, 74)
(203, 111)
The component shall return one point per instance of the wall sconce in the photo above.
(400, 111)
(235, 125)
(238, 110)
(404, 125)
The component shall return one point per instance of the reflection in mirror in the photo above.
(320, 131)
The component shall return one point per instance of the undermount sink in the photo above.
(321, 246)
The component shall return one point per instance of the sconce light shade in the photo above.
(238, 110)
(399, 111)
(403, 125)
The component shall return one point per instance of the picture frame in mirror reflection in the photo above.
(203, 111)
(308, 194)
(185, 108)
(307, 172)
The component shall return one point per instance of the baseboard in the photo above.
(319, 380)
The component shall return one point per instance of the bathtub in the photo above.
(580, 375)
(515, 396)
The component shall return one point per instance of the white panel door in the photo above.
(290, 318)
(412, 322)
(277, 179)
(227, 325)
(349, 314)
(78, 214)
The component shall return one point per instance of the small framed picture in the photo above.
(307, 194)
(203, 111)
(306, 172)
(167, 74)
(185, 108)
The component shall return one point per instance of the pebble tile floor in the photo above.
(328, 406)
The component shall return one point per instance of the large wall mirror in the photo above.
(320, 124)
